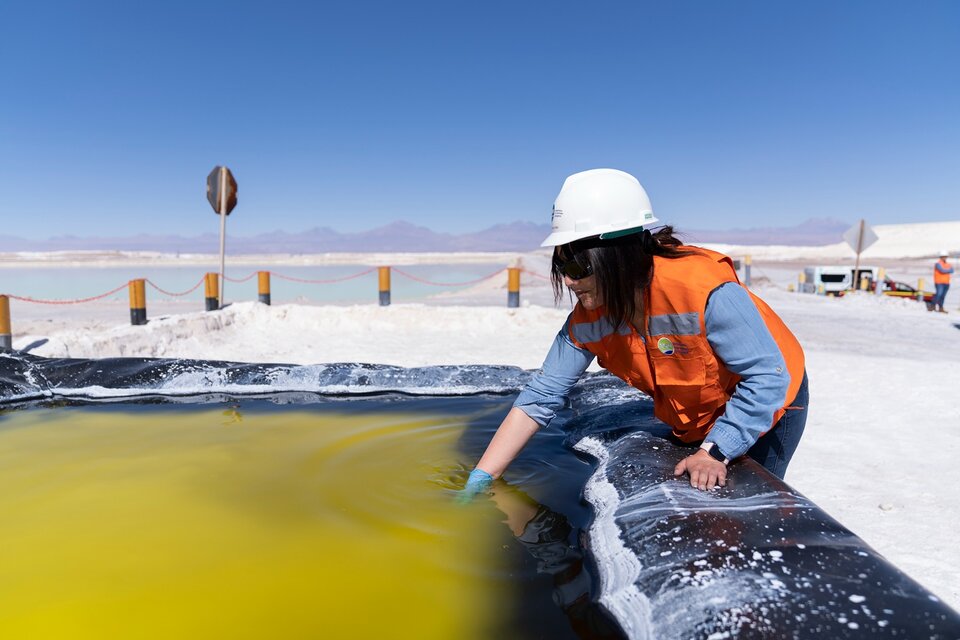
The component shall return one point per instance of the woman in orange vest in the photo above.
(671, 320)
(941, 280)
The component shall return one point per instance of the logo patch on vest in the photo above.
(665, 346)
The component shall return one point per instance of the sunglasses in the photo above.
(571, 268)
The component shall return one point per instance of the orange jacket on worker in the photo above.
(942, 278)
(673, 363)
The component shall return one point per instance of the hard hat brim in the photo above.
(558, 238)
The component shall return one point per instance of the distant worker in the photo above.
(941, 280)
(674, 322)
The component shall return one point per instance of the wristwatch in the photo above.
(714, 451)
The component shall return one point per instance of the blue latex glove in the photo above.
(478, 482)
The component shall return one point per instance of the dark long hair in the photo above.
(623, 267)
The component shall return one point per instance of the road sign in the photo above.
(860, 236)
(214, 182)
(222, 195)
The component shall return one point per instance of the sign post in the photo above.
(222, 196)
(859, 237)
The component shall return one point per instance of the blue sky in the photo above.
(458, 115)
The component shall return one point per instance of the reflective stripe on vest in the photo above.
(595, 331)
(681, 324)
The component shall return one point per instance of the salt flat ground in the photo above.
(883, 435)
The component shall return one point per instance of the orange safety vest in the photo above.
(941, 278)
(689, 385)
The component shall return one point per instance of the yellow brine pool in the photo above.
(256, 520)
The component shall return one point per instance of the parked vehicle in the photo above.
(903, 290)
(833, 280)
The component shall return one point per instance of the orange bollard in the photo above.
(211, 291)
(6, 335)
(138, 302)
(142, 299)
(513, 287)
(263, 287)
(384, 273)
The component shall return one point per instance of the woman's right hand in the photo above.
(516, 429)
(478, 482)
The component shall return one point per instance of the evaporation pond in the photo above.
(252, 519)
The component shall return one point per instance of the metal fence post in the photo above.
(384, 280)
(142, 299)
(263, 287)
(211, 291)
(513, 287)
(6, 334)
(138, 302)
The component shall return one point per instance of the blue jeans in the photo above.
(775, 448)
(940, 294)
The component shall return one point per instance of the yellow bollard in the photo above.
(513, 287)
(864, 283)
(138, 302)
(747, 261)
(6, 335)
(920, 290)
(212, 291)
(801, 279)
(142, 299)
(881, 278)
(384, 273)
(263, 287)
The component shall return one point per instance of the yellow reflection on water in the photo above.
(213, 523)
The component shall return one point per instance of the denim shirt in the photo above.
(740, 340)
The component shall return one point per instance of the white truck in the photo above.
(834, 280)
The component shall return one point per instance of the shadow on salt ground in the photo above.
(34, 345)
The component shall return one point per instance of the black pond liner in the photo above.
(755, 559)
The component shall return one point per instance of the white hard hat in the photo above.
(599, 202)
(944, 253)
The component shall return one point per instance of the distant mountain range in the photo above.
(405, 237)
(809, 233)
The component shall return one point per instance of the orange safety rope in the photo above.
(535, 275)
(275, 274)
(447, 284)
(78, 301)
(175, 295)
(239, 280)
(331, 281)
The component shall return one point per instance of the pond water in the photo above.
(255, 518)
